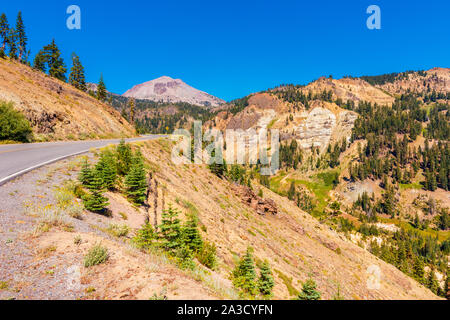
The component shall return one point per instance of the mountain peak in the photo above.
(167, 89)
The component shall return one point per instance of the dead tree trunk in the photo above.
(163, 200)
(155, 218)
(147, 198)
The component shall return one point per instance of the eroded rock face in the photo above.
(260, 205)
(322, 124)
(45, 122)
(317, 128)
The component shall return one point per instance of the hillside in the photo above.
(369, 157)
(56, 110)
(421, 82)
(295, 244)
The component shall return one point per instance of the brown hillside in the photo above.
(56, 110)
(296, 244)
(346, 89)
(437, 79)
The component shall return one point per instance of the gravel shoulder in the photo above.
(48, 265)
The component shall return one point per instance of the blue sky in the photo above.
(233, 48)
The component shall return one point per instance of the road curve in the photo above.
(18, 159)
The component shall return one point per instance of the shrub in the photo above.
(96, 255)
(77, 240)
(13, 125)
(207, 255)
(118, 231)
(145, 237)
(185, 258)
(75, 211)
(309, 291)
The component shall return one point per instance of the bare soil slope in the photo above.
(56, 110)
(296, 244)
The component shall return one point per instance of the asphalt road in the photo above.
(18, 159)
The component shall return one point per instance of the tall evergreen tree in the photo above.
(124, 158)
(170, 229)
(191, 236)
(40, 61)
(244, 275)
(12, 43)
(86, 173)
(108, 169)
(56, 66)
(101, 89)
(95, 201)
(22, 38)
(265, 281)
(4, 31)
(292, 191)
(135, 181)
(77, 77)
(418, 270)
(132, 105)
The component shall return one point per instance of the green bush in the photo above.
(96, 255)
(185, 258)
(207, 255)
(145, 237)
(118, 230)
(309, 291)
(13, 125)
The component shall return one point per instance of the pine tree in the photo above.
(135, 181)
(12, 43)
(145, 237)
(309, 291)
(190, 234)
(56, 66)
(108, 169)
(418, 270)
(4, 31)
(95, 201)
(432, 282)
(85, 176)
(244, 275)
(77, 77)
(40, 61)
(266, 282)
(292, 191)
(170, 230)
(132, 105)
(219, 169)
(124, 158)
(101, 89)
(22, 38)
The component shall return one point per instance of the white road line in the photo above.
(22, 172)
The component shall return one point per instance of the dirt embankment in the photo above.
(295, 244)
(56, 110)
